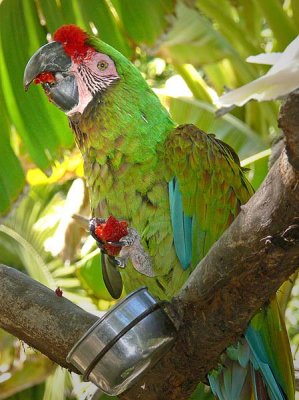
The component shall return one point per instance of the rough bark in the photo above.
(242, 271)
(36, 315)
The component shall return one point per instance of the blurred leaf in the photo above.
(195, 82)
(22, 239)
(257, 170)
(202, 392)
(33, 393)
(215, 37)
(295, 11)
(145, 20)
(55, 388)
(192, 39)
(70, 168)
(35, 369)
(229, 25)
(284, 292)
(12, 183)
(249, 15)
(90, 276)
(19, 236)
(42, 128)
(282, 26)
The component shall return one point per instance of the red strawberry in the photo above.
(111, 231)
(45, 77)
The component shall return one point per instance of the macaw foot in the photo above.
(130, 249)
(289, 237)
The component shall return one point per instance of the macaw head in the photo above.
(75, 68)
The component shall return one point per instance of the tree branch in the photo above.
(34, 314)
(241, 272)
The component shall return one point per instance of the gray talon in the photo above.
(119, 262)
(130, 238)
(133, 250)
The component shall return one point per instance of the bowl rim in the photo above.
(150, 310)
(101, 319)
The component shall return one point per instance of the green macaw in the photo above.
(177, 186)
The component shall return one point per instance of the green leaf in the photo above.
(228, 24)
(90, 275)
(192, 39)
(32, 393)
(258, 171)
(277, 19)
(295, 11)
(12, 179)
(145, 20)
(29, 253)
(250, 17)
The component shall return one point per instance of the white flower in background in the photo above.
(280, 80)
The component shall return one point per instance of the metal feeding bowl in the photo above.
(121, 346)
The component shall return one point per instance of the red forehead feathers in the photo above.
(73, 40)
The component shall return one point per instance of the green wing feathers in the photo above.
(212, 183)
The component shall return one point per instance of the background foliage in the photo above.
(189, 51)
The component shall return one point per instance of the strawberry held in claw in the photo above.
(111, 231)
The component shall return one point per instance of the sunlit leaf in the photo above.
(12, 183)
(90, 276)
(144, 20)
(192, 39)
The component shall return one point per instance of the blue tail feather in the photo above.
(228, 382)
(182, 225)
(258, 358)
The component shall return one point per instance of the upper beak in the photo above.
(51, 58)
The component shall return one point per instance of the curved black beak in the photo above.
(49, 58)
(63, 92)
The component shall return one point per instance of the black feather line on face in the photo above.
(95, 83)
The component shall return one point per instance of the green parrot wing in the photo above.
(206, 189)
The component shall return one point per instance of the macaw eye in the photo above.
(102, 65)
